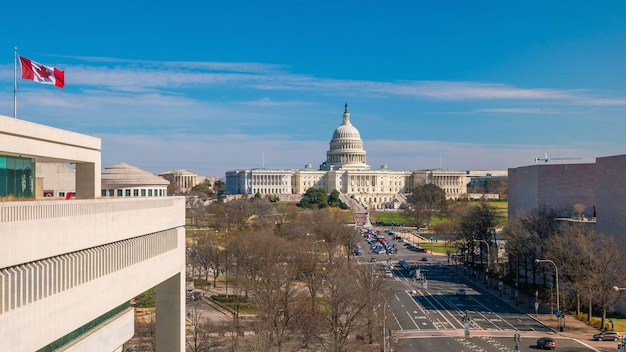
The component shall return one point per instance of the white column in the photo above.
(170, 313)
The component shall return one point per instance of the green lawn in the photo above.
(397, 217)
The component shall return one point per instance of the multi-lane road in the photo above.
(431, 315)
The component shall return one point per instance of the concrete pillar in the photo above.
(88, 180)
(170, 314)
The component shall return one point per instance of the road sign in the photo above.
(558, 313)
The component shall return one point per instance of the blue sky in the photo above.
(214, 86)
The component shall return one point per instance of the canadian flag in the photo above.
(43, 74)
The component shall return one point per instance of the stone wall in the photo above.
(557, 186)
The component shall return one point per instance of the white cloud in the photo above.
(213, 155)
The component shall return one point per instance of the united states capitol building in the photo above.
(345, 170)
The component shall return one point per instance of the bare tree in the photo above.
(198, 340)
(425, 201)
(337, 236)
(579, 209)
(210, 257)
(275, 292)
(607, 269)
(572, 251)
(348, 301)
(145, 327)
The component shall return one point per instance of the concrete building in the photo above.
(69, 268)
(123, 180)
(558, 186)
(345, 170)
(598, 186)
(184, 180)
(55, 180)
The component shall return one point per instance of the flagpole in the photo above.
(15, 82)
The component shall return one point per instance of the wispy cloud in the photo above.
(267, 102)
(534, 111)
(175, 77)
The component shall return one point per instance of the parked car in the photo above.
(546, 343)
(388, 273)
(460, 291)
(607, 336)
(423, 259)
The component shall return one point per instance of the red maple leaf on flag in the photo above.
(43, 73)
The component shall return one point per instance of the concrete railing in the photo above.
(41, 229)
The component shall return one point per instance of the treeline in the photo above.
(295, 268)
(589, 264)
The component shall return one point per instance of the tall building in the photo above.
(70, 267)
(345, 170)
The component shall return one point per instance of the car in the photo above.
(460, 291)
(372, 259)
(607, 336)
(424, 259)
(546, 343)
(388, 273)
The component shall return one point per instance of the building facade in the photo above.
(184, 180)
(123, 180)
(598, 186)
(69, 268)
(346, 170)
(55, 180)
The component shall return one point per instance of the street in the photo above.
(434, 315)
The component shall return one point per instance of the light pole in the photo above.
(487, 268)
(431, 245)
(314, 243)
(537, 304)
(556, 271)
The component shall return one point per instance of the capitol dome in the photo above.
(346, 147)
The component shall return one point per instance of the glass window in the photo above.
(17, 177)
(135, 193)
(128, 193)
(149, 193)
(119, 192)
(143, 192)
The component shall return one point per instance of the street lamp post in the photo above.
(314, 243)
(487, 268)
(431, 245)
(556, 271)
